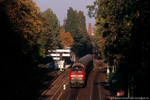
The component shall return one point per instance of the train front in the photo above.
(77, 75)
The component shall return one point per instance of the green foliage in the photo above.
(49, 35)
(122, 35)
(76, 25)
(54, 28)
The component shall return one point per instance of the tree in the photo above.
(66, 39)
(23, 27)
(75, 24)
(44, 35)
(123, 25)
(54, 27)
(49, 36)
(20, 28)
(71, 22)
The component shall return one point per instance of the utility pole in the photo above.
(128, 86)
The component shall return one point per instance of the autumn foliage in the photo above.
(23, 16)
(66, 39)
(20, 28)
(26, 36)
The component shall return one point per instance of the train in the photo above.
(79, 71)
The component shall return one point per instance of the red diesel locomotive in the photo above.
(80, 70)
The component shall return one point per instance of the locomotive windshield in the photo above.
(77, 69)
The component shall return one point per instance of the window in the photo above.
(77, 69)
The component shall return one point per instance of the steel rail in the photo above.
(55, 84)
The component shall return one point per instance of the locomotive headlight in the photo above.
(73, 75)
(80, 75)
(76, 75)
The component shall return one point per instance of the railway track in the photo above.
(96, 88)
(37, 88)
(54, 87)
(73, 94)
(93, 90)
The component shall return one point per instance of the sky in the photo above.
(60, 7)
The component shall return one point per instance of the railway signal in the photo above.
(64, 87)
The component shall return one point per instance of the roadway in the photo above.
(97, 88)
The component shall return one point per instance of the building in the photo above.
(90, 29)
(59, 54)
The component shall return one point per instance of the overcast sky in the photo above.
(60, 7)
